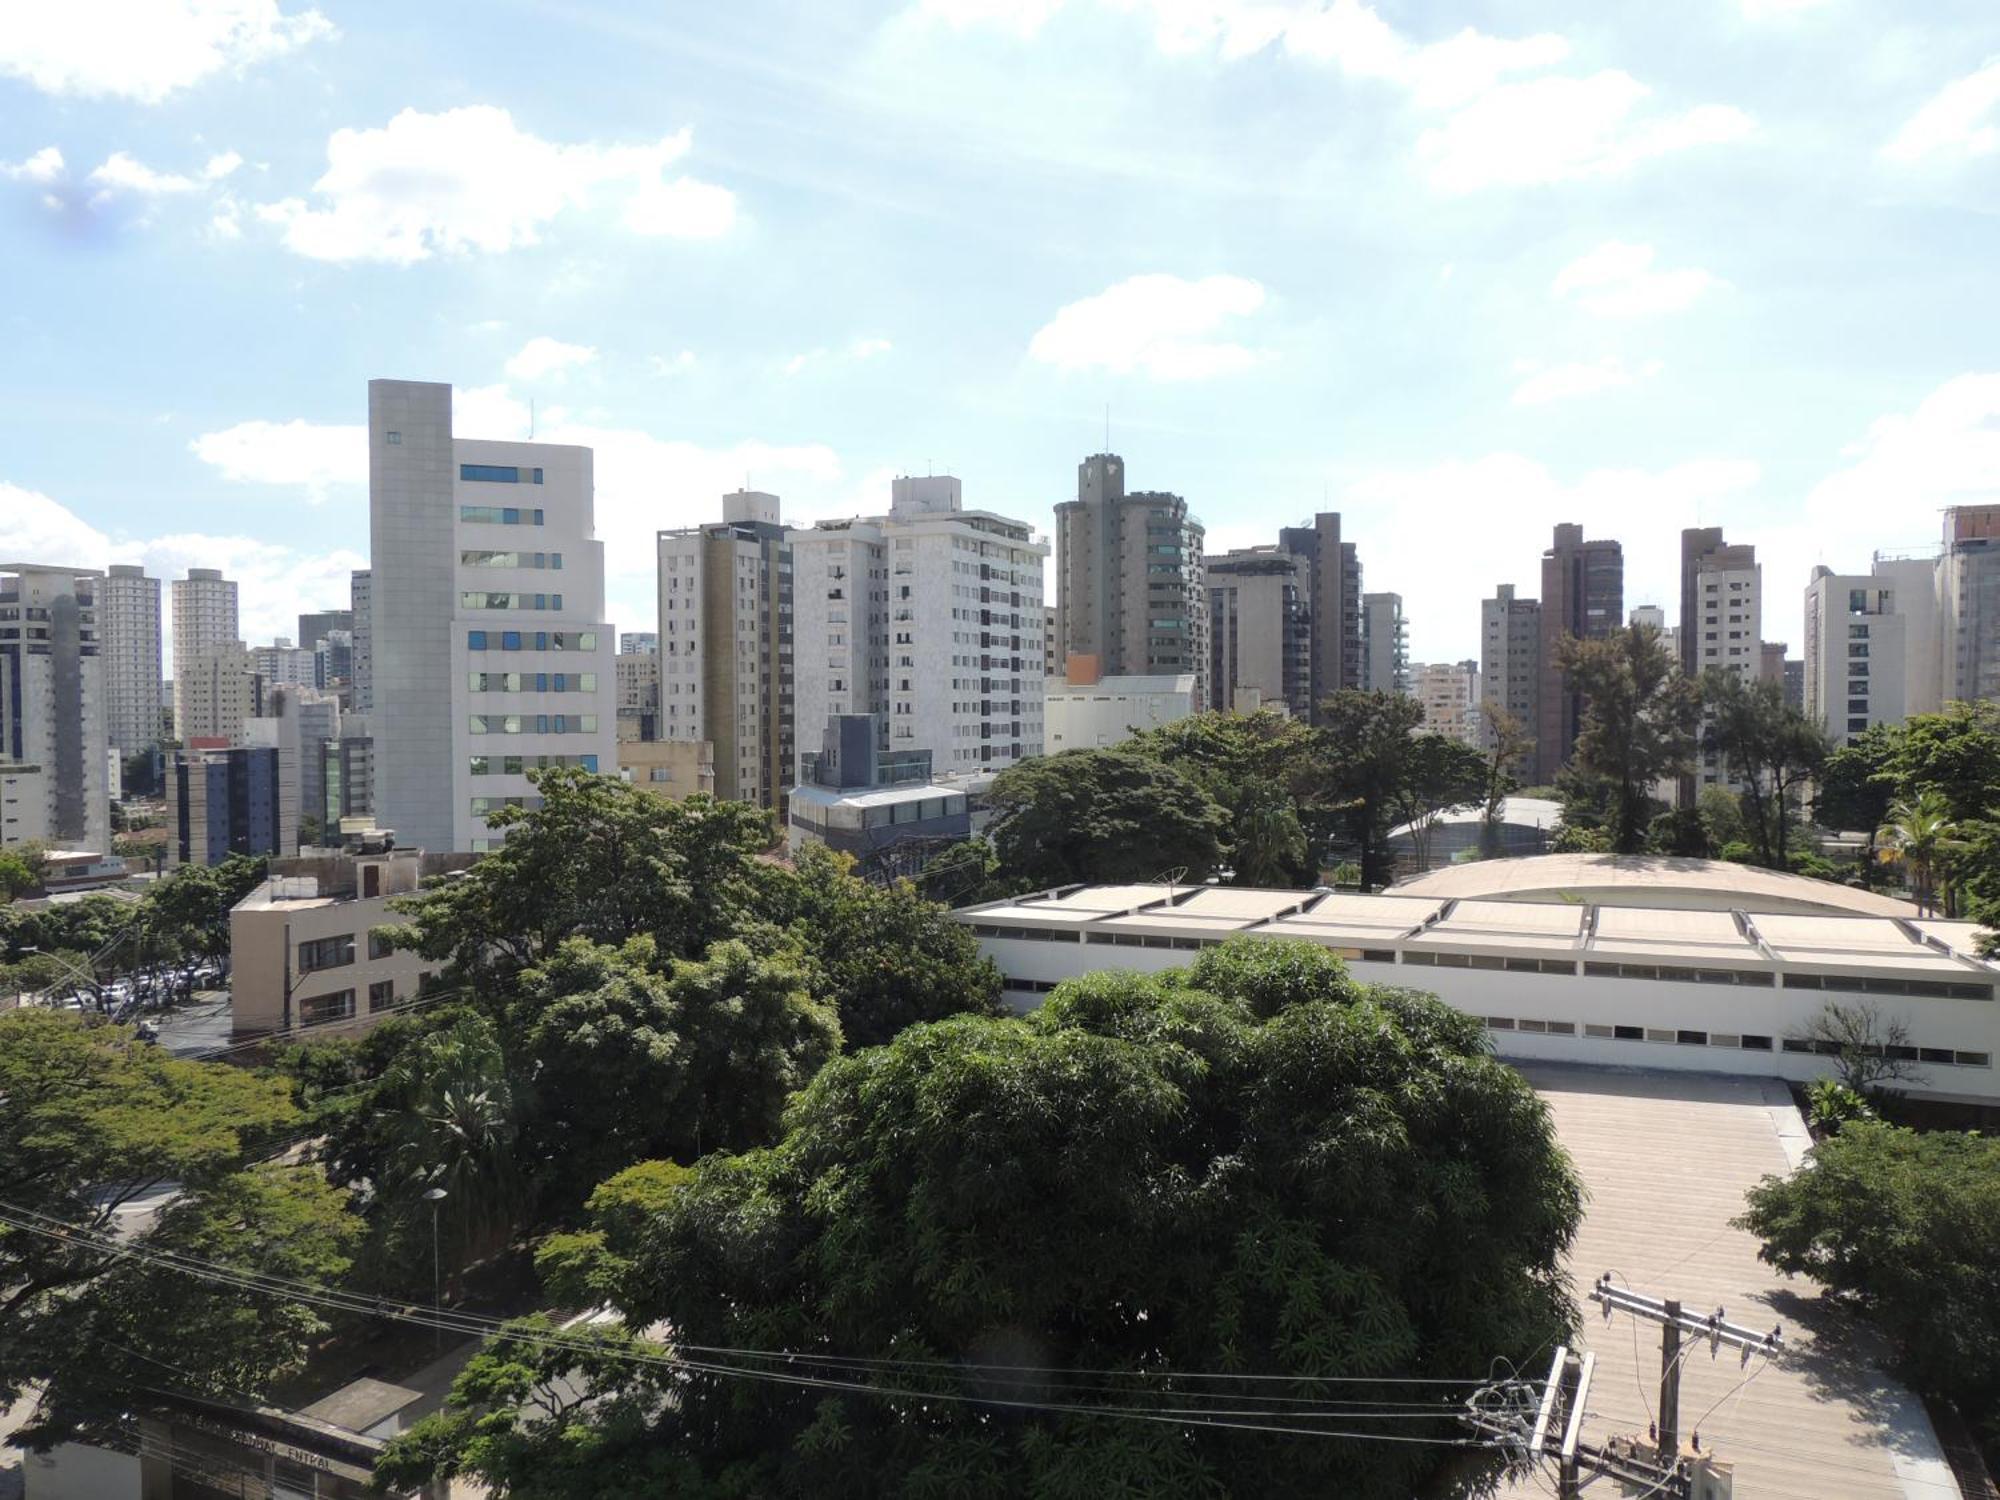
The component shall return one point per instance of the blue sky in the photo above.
(1460, 272)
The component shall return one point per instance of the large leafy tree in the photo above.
(1771, 748)
(602, 860)
(1639, 720)
(1103, 816)
(1508, 745)
(1373, 761)
(93, 1123)
(884, 956)
(1906, 1227)
(191, 906)
(1327, 1182)
(1955, 754)
(1260, 768)
(1859, 780)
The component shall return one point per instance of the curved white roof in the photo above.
(1649, 880)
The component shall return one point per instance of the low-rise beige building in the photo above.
(306, 947)
(670, 768)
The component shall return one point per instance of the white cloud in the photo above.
(1946, 452)
(221, 165)
(1543, 384)
(1556, 129)
(1158, 325)
(311, 455)
(470, 179)
(542, 357)
(860, 349)
(45, 166)
(1617, 280)
(274, 582)
(1959, 120)
(122, 173)
(145, 49)
(868, 348)
(676, 364)
(1499, 129)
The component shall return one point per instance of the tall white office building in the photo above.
(204, 618)
(931, 616)
(1873, 653)
(1722, 627)
(53, 761)
(489, 653)
(361, 597)
(281, 664)
(1385, 645)
(128, 627)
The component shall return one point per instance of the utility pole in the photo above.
(1536, 1426)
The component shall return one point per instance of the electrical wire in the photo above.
(679, 1363)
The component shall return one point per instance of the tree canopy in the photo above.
(1252, 1167)
(1639, 719)
(1772, 751)
(94, 1123)
(1104, 817)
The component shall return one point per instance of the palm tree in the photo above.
(1919, 835)
(1270, 844)
(456, 1131)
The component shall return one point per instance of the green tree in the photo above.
(1328, 1181)
(1955, 754)
(1268, 846)
(1681, 832)
(1920, 836)
(16, 879)
(886, 958)
(966, 873)
(1102, 816)
(1771, 748)
(1904, 1226)
(1638, 726)
(602, 860)
(1373, 763)
(94, 1122)
(190, 908)
(1508, 745)
(1860, 780)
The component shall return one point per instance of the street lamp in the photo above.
(435, 1196)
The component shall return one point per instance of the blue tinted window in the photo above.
(562, 682)
(494, 473)
(510, 516)
(588, 762)
(541, 640)
(538, 476)
(510, 640)
(558, 601)
(476, 639)
(538, 518)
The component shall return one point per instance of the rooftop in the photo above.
(1650, 879)
(1823, 1421)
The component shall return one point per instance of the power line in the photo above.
(470, 1324)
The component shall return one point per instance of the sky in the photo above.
(1458, 271)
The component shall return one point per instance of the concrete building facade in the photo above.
(1583, 596)
(1510, 666)
(674, 769)
(204, 620)
(1082, 715)
(362, 591)
(216, 689)
(726, 645)
(1451, 697)
(229, 801)
(1385, 636)
(638, 674)
(1969, 602)
(53, 750)
(489, 652)
(1129, 585)
(1722, 624)
(1260, 631)
(931, 616)
(1873, 650)
(128, 627)
(1334, 599)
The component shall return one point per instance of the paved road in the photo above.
(200, 1027)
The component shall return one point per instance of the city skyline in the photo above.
(1417, 303)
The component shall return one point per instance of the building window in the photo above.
(500, 515)
(499, 474)
(381, 995)
(327, 953)
(393, 439)
(379, 945)
(323, 1010)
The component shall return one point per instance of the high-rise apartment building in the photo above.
(1385, 639)
(1722, 624)
(362, 591)
(128, 629)
(930, 616)
(1450, 694)
(1654, 617)
(53, 758)
(638, 643)
(1259, 631)
(1334, 599)
(216, 688)
(227, 801)
(1873, 651)
(300, 723)
(204, 618)
(281, 664)
(726, 645)
(490, 655)
(1583, 596)
(1510, 667)
(1129, 588)
(1969, 600)
(638, 675)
